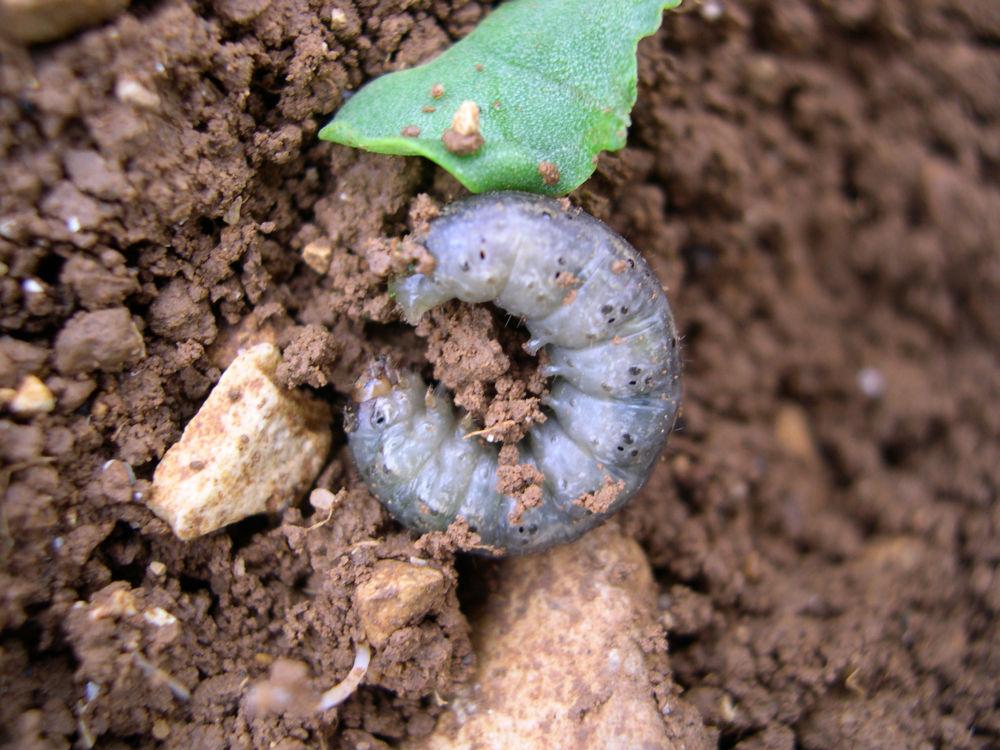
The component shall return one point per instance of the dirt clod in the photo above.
(32, 21)
(105, 340)
(464, 138)
(397, 594)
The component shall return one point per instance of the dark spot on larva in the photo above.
(633, 370)
(465, 265)
(605, 309)
(624, 309)
(628, 439)
(561, 261)
(482, 255)
(632, 382)
(634, 453)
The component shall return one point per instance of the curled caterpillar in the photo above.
(586, 296)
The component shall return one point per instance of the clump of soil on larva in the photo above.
(814, 183)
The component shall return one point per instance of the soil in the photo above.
(817, 185)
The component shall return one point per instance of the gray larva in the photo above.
(586, 296)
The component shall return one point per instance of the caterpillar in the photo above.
(589, 299)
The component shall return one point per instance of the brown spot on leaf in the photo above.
(463, 137)
(549, 172)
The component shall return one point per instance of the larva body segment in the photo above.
(587, 296)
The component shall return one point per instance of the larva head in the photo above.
(383, 397)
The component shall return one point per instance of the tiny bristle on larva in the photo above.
(590, 301)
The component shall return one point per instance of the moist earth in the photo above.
(816, 184)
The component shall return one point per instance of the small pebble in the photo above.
(871, 382)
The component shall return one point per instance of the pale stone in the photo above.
(465, 121)
(317, 255)
(130, 91)
(253, 447)
(560, 661)
(793, 433)
(31, 397)
(397, 594)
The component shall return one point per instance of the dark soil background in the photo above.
(816, 183)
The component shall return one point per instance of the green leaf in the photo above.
(554, 80)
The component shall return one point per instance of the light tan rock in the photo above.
(131, 91)
(31, 397)
(31, 21)
(559, 658)
(793, 433)
(253, 447)
(317, 255)
(397, 594)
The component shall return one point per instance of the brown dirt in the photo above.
(816, 184)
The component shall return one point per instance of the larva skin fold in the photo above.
(586, 296)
